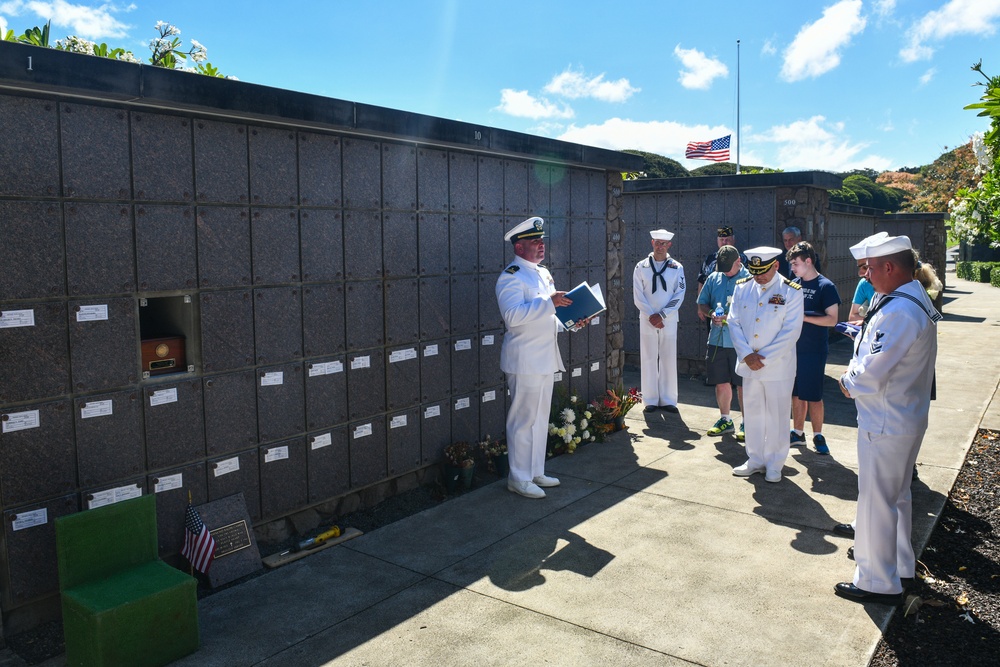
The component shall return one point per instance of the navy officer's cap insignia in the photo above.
(538, 224)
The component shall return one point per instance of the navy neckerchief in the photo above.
(659, 274)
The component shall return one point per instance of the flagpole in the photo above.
(738, 143)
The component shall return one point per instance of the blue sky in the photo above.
(830, 85)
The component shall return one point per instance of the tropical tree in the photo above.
(975, 210)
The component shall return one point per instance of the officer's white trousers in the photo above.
(766, 407)
(528, 424)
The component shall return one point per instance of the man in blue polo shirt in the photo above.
(720, 359)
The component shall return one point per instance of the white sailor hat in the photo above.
(760, 260)
(890, 245)
(532, 228)
(661, 234)
(858, 250)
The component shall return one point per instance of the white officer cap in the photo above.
(859, 249)
(760, 260)
(661, 234)
(532, 228)
(890, 245)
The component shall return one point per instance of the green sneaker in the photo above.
(741, 436)
(724, 425)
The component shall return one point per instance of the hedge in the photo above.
(980, 272)
(995, 276)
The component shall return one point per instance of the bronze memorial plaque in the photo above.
(236, 553)
(231, 538)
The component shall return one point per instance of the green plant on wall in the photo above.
(167, 49)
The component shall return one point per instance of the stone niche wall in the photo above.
(335, 291)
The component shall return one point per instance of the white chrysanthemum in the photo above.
(588, 414)
(567, 438)
(583, 423)
(572, 399)
(561, 432)
(570, 429)
(568, 416)
(585, 435)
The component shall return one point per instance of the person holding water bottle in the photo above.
(720, 359)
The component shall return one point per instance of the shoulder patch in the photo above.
(791, 284)
(672, 264)
(743, 280)
(512, 269)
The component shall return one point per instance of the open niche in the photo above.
(168, 335)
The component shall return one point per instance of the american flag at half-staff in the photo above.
(199, 545)
(716, 149)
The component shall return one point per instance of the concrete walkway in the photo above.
(650, 553)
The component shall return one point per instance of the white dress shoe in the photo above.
(544, 481)
(772, 476)
(526, 489)
(746, 470)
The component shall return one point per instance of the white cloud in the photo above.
(884, 8)
(816, 49)
(927, 76)
(522, 104)
(662, 137)
(574, 85)
(958, 17)
(3, 27)
(89, 22)
(816, 143)
(699, 70)
(769, 49)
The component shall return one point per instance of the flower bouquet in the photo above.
(615, 405)
(459, 466)
(569, 424)
(494, 453)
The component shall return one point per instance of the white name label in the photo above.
(577, 372)
(169, 483)
(96, 409)
(112, 496)
(490, 395)
(328, 368)
(462, 403)
(10, 319)
(464, 344)
(92, 313)
(596, 366)
(162, 397)
(361, 362)
(594, 321)
(276, 454)
(322, 440)
(558, 377)
(399, 421)
(272, 378)
(18, 421)
(402, 355)
(227, 466)
(31, 519)
(432, 411)
(488, 340)
(362, 431)
(431, 351)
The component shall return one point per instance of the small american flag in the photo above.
(716, 150)
(199, 545)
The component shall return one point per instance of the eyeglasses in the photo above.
(862, 268)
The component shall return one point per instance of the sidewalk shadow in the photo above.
(519, 567)
(672, 428)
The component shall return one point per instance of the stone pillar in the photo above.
(805, 208)
(616, 292)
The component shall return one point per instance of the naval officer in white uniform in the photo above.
(765, 320)
(530, 356)
(889, 377)
(658, 291)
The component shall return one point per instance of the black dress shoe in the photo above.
(907, 583)
(845, 529)
(650, 408)
(669, 408)
(850, 552)
(849, 591)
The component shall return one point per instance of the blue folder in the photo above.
(587, 302)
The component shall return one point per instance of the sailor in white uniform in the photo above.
(530, 356)
(765, 320)
(889, 378)
(658, 291)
